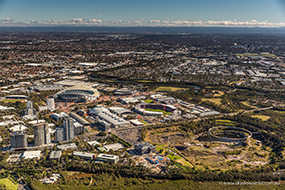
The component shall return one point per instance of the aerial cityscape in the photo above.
(120, 97)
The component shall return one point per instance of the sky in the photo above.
(230, 13)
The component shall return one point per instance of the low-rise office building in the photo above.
(107, 158)
(84, 155)
(55, 155)
(32, 154)
(67, 146)
(144, 148)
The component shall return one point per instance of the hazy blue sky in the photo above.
(141, 12)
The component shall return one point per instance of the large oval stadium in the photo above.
(228, 134)
(79, 93)
(155, 109)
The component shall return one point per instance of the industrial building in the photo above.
(55, 155)
(70, 83)
(114, 147)
(52, 87)
(144, 148)
(19, 128)
(209, 113)
(93, 143)
(41, 134)
(136, 122)
(141, 109)
(17, 97)
(84, 155)
(59, 134)
(67, 146)
(104, 114)
(59, 116)
(66, 132)
(68, 124)
(165, 100)
(69, 129)
(124, 91)
(30, 105)
(30, 108)
(78, 93)
(50, 104)
(105, 126)
(107, 158)
(128, 100)
(79, 119)
(32, 154)
(18, 140)
(120, 111)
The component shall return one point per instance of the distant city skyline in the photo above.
(233, 13)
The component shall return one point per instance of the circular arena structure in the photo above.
(229, 134)
(78, 93)
(154, 109)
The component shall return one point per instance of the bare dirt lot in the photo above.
(208, 154)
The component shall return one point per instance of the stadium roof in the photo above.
(120, 110)
(80, 89)
(17, 97)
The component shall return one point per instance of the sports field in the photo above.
(168, 89)
(158, 110)
(11, 100)
(9, 184)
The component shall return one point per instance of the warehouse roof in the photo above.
(120, 110)
(67, 146)
(105, 114)
(83, 154)
(79, 119)
(32, 154)
(115, 146)
(93, 143)
(107, 156)
(55, 154)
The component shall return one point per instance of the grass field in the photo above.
(279, 111)
(168, 89)
(145, 81)
(173, 157)
(11, 100)
(144, 122)
(246, 54)
(184, 163)
(247, 104)
(218, 93)
(262, 117)
(223, 121)
(9, 184)
(157, 110)
(148, 101)
(268, 55)
(159, 147)
(217, 101)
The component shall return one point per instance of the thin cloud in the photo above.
(141, 22)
